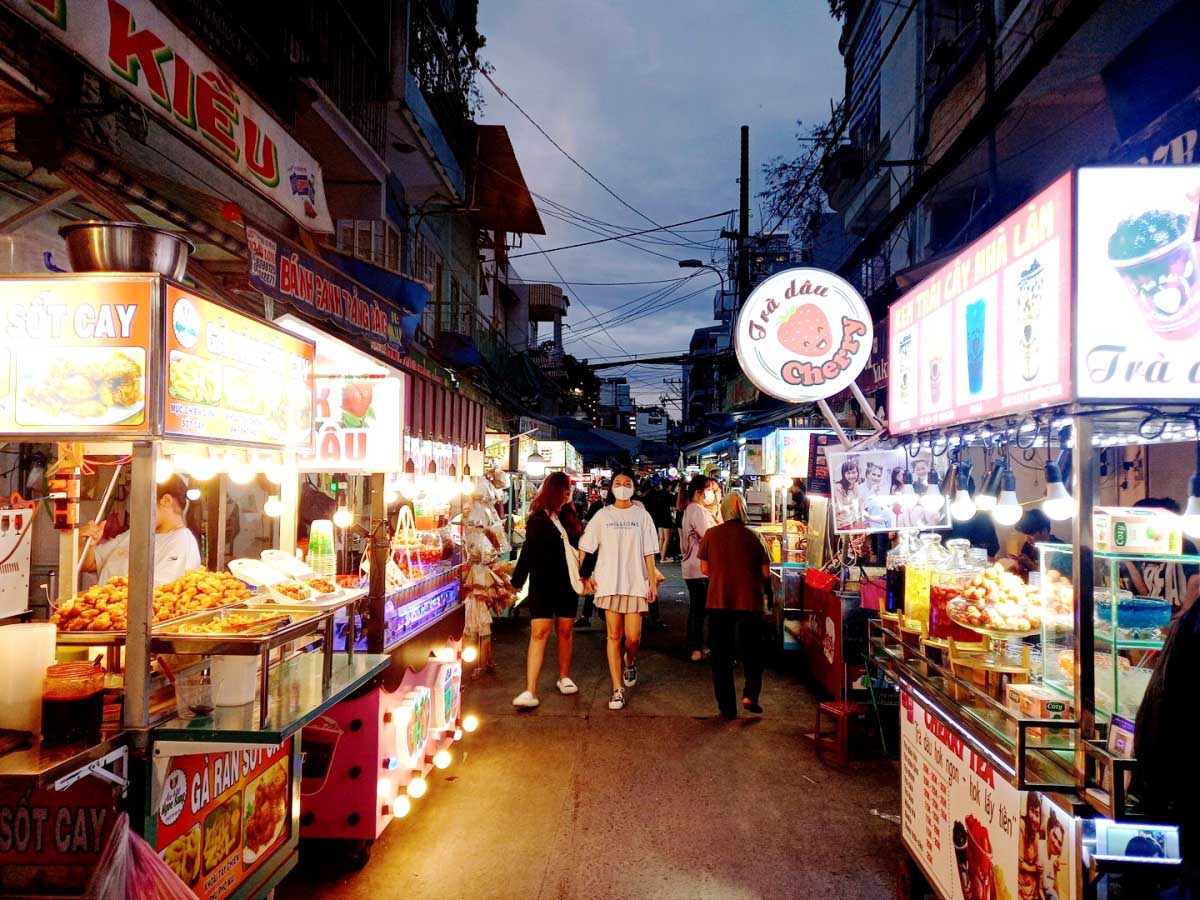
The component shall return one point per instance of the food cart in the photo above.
(370, 754)
(138, 374)
(1018, 695)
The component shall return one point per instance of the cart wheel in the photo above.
(910, 882)
(359, 854)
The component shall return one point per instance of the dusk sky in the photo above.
(649, 97)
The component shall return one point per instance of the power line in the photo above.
(618, 237)
(577, 297)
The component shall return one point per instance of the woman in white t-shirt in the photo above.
(624, 579)
(175, 549)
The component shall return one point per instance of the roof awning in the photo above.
(501, 200)
(407, 293)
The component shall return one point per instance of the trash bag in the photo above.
(129, 869)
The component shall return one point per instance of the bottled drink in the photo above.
(897, 561)
(918, 576)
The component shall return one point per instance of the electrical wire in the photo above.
(615, 237)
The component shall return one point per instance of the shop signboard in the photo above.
(74, 354)
(770, 454)
(803, 335)
(496, 449)
(865, 491)
(574, 460)
(553, 453)
(750, 459)
(51, 841)
(413, 718)
(971, 831)
(1138, 283)
(793, 450)
(984, 334)
(446, 696)
(221, 815)
(232, 377)
(357, 408)
(305, 282)
(818, 463)
(138, 48)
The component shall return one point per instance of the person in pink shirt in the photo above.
(701, 514)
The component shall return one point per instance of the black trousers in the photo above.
(729, 630)
(697, 589)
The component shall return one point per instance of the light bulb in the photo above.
(1008, 508)
(1058, 504)
(273, 507)
(402, 807)
(343, 518)
(202, 468)
(458, 734)
(470, 722)
(470, 653)
(907, 497)
(417, 787)
(390, 496)
(986, 498)
(442, 759)
(163, 469)
(273, 472)
(932, 500)
(963, 507)
(444, 654)
(241, 473)
(193, 493)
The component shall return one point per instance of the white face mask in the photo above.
(622, 492)
(710, 497)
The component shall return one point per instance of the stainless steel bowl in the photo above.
(125, 247)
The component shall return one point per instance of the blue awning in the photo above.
(591, 445)
(407, 293)
(757, 434)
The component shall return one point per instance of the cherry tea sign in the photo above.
(803, 335)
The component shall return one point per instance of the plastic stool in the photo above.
(843, 714)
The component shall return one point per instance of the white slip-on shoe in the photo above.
(566, 686)
(525, 700)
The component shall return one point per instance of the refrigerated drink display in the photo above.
(949, 580)
(918, 577)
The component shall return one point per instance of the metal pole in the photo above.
(378, 545)
(289, 501)
(743, 258)
(143, 497)
(1083, 481)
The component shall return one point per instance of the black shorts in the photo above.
(552, 606)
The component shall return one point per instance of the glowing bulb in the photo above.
(273, 507)
(1008, 508)
(201, 468)
(343, 518)
(470, 653)
(417, 787)
(907, 497)
(390, 496)
(273, 472)
(963, 507)
(470, 722)
(444, 654)
(1058, 504)
(193, 493)
(442, 759)
(932, 500)
(402, 807)
(241, 473)
(458, 734)
(163, 469)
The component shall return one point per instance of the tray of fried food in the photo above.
(231, 621)
(240, 630)
(100, 614)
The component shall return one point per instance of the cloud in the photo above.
(649, 96)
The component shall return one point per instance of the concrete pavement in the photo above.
(661, 800)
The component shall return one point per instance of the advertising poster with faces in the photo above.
(1138, 283)
(864, 491)
(983, 334)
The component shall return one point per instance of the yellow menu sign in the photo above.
(74, 354)
(231, 377)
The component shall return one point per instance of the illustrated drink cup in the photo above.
(962, 861)
(1030, 287)
(935, 379)
(1155, 255)
(979, 858)
(906, 368)
(975, 317)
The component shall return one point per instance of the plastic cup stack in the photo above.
(322, 552)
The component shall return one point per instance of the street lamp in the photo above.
(700, 264)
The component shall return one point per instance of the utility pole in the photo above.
(743, 258)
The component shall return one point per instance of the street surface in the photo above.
(661, 800)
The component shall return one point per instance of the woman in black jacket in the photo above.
(552, 599)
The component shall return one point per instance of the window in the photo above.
(372, 240)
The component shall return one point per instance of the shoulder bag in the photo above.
(572, 559)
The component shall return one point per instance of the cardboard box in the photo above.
(1032, 701)
(1150, 532)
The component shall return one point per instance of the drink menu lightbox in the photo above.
(987, 333)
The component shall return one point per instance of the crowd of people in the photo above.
(606, 546)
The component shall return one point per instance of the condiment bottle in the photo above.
(897, 562)
(917, 577)
(72, 703)
(950, 579)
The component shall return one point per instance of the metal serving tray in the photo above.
(117, 638)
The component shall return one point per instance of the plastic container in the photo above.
(26, 650)
(950, 578)
(322, 551)
(918, 577)
(194, 696)
(72, 703)
(234, 680)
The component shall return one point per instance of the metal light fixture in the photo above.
(986, 498)
(907, 497)
(932, 500)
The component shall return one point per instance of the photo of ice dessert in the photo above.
(1154, 253)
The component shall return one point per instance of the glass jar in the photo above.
(950, 578)
(977, 559)
(897, 562)
(918, 576)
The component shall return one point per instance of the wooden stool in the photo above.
(843, 714)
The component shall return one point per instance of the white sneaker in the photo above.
(617, 701)
(566, 686)
(525, 700)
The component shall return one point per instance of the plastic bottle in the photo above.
(897, 562)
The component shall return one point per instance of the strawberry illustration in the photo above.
(806, 331)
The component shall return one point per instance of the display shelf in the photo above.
(1125, 557)
(296, 699)
(42, 766)
(1128, 643)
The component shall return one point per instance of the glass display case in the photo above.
(1127, 628)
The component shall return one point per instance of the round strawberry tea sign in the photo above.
(803, 335)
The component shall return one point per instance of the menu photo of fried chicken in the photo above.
(266, 810)
(81, 386)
